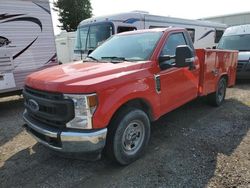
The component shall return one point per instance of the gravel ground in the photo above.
(193, 146)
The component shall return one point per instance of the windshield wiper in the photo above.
(115, 58)
(91, 57)
(244, 50)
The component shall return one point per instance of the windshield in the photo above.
(235, 42)
(90, 36)
(131, 47)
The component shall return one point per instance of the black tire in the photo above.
(128, 136)
(217, 98)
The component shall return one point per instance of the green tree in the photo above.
(72, 12)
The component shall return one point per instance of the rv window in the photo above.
(191, 33)
(121, 29)
(90, 36)
(152, 27)
(81, 37)
(98, 34)
(218, 35)
(4, 41)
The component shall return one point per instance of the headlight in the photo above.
(84, 106)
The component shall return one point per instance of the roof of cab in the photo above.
(237, 30)
(151, 30)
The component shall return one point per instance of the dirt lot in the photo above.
(193, 146)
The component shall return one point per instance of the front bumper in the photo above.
(243, 75)
(243, 70)
(66, 141)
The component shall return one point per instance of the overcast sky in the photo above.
(191, 9)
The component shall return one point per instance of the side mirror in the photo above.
(184, 56)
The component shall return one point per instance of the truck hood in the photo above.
(79, 77)
(244, 56)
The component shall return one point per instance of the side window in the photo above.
(121, 29)
(191, 33)
(218, 35)
(172, 42)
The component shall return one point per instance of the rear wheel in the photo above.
(128, 136)
(217, 98)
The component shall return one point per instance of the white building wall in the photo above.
(231, 20)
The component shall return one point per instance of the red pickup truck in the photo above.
(106, 102)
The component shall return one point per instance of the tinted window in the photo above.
(152, 27)
(81, 38)
(121, 29)
(90, 36)
(218, 35)
(191, 33)
(172, 42)
(235, 42)
(4, 41)
(98, 34)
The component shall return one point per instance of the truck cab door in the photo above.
(178, 85)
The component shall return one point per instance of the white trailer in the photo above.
(27, 41)
(93, 31)
(65, 43)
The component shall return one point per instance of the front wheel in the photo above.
(128, 136)
(217, 98)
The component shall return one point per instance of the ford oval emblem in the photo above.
(33, 105)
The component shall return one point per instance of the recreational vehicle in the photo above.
(93, 31)
(27, 41)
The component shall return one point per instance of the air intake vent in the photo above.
(5, 61)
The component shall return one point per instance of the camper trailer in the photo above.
(65, 42)
(27, 41)
(93, 31)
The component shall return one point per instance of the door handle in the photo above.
(215, 72)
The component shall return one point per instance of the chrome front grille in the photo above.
(49, 108)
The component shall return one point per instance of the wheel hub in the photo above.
(133, 137)
(221, 91)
